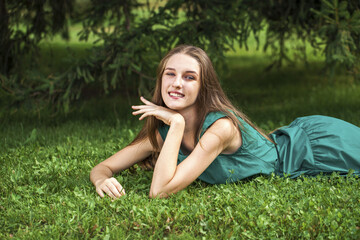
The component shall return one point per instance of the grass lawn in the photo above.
(45, 190)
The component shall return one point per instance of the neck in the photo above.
(191, 119)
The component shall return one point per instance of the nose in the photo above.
(177, 83)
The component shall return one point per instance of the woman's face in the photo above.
(180, 82)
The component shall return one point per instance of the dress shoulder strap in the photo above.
(210, 119)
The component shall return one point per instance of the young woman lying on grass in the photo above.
(198, 133)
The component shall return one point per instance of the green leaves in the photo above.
(339, 30)
(130, 37)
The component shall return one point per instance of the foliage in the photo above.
(340, 32)
(25, 23)
(132, 36)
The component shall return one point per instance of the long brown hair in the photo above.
(211, 97)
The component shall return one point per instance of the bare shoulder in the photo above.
(229, 134)
(224, 126)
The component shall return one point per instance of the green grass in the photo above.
(45, 190)
(276, 97)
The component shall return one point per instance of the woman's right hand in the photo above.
(111, 187)
(163, 114)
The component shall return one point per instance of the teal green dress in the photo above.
(309, 145)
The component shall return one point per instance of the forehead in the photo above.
(181, 62)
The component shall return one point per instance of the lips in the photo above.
(176, 94)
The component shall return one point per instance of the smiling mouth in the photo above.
(174, 94)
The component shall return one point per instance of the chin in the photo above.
(174, 107)
(172, 104)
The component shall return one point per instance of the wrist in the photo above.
(178, 120)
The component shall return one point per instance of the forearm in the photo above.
(120, 161)
(166, 164)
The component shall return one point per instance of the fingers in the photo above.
(118, 186)
(145, 115)
(100, 192)
(141, 109)
(146, 101)
(110, 192)
(111, 187)
(145, 110)
(151, 109)
(114, 192)
(143, 106)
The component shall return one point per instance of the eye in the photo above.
(190, 77)
(170, 73)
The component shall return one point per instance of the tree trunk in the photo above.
(5, 40)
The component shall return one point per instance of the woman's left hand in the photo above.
(166, 115)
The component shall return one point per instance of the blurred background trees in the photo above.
(131, 36)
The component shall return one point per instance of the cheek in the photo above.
(197, 89)
(163, 87)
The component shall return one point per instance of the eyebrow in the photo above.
(173, 69)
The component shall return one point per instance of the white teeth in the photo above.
(175, 94)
